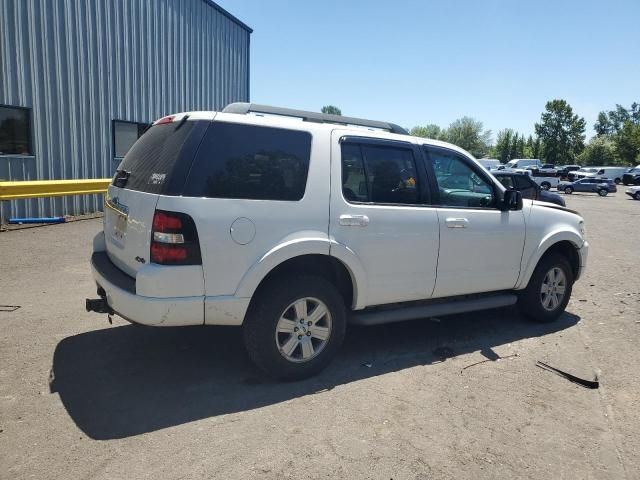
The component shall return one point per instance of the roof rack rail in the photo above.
(243, 108)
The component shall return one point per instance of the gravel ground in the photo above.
(80, 398)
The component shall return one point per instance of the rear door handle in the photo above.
(354, 220)
(457, 222)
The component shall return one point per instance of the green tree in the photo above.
(603, 125)
(332, 110)
(469, 134)
(528, 148)
(600, 151)
(613, 121)
(513, 150)
(618, 117)
(428, 131)
(503, 145)
(561, 133)
(627, 142)
(536, 149)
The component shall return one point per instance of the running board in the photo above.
(441, 308)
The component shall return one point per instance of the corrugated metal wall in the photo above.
(79, 64)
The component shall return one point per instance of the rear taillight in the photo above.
(174, 239)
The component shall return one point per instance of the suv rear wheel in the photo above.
(549, 289)
(295, 327)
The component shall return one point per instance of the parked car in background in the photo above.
(633, 192)
(526, 185)
(613, 173)
(489, 163)
(632, 176)
(596, 185)
(546, 182)
(564, 170)
(523, 163)
(547, 169)
(581, 173)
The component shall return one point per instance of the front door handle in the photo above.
(354, 220)
(457, 222)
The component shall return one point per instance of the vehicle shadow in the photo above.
(130, 380)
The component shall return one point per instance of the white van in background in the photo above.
(614, 173)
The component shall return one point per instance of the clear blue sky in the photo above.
(419, 62)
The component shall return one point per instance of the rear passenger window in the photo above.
(250, 162)
(522, 182)
(379, 174)
(506, 181)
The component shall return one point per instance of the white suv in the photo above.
(295, 224)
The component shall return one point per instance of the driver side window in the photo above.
(458, 183)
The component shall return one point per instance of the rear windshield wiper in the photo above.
(181, 122)
(121, 178)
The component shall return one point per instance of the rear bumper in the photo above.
(121, 296)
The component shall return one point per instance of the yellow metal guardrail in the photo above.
(52, 188)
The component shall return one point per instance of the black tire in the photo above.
(603, 192)
(617, 181)
(530, 299)
(636, 195)
(568, 190)
(259, 328)
(545, 185)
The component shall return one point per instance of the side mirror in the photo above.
(512, 201)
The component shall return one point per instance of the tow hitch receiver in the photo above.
(98, 305)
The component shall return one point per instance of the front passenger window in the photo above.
(459, 184)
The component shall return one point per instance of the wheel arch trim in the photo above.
(545, 244)
(291, 248)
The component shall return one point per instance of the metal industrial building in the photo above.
(81, 79)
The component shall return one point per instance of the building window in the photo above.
(15, 131)
(125, 135)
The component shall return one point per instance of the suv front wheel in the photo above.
(295, 327)
(548, 291)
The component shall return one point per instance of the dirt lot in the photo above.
(82, 399)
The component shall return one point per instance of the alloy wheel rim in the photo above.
(303, 330)
(553, 289)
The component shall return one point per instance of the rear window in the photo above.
(159, 160)
(250, 162)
